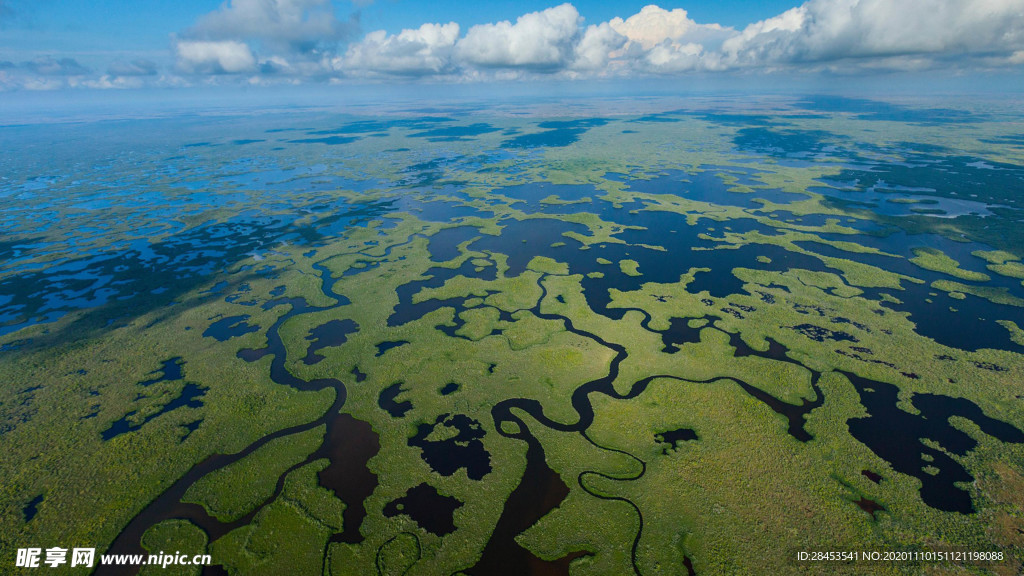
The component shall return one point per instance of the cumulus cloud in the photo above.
(669, 41)
(654, 26)
(207, 57)
(822, 31)
(283, 25)
(595, 49)
(543, 40)
(274, 37)
(426, 50)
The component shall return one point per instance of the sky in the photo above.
(122, 44)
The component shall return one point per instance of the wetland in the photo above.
(493, 340)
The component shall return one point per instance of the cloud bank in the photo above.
(297, 40)
(848, 35)
(928, 32)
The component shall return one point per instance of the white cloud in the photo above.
(283, 25)
(594, 52)
(270, 37)
(824, 31)
(654, 26)
(668, 41)
(670, 57)
(426, 50)
(223, 57)
(543, 40)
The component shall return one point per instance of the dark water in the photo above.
(32, 508)
(1011, 140)
(532, 193)
(463, 450)
(349, 445)
(708, 186)
(120, 283)
(971, 325)
(873, 476)
(444, 245)
(190, 427)
(953, 177)
(329, 334)
(674, 438)
(795, 414)
(170, 370)
(230, 327)
(189, 396)
(384, 125)
(389, 345)
(861, 224)
(820, 334)
(677, 258)
(387, 400)
(877, 110)
(438, 211)
(540, 490)
(555, 134)
(679, 333)
(455, 133)
(786, 143)
(430, 510)
(406, 311)
(521, 240)
(895, 436)
(328, 140)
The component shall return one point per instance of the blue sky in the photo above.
(53, 44)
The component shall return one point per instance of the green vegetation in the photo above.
(931, 259)
(997, 295)
(170, 537)
(454, 315)
(234, 490)
(630, 267)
